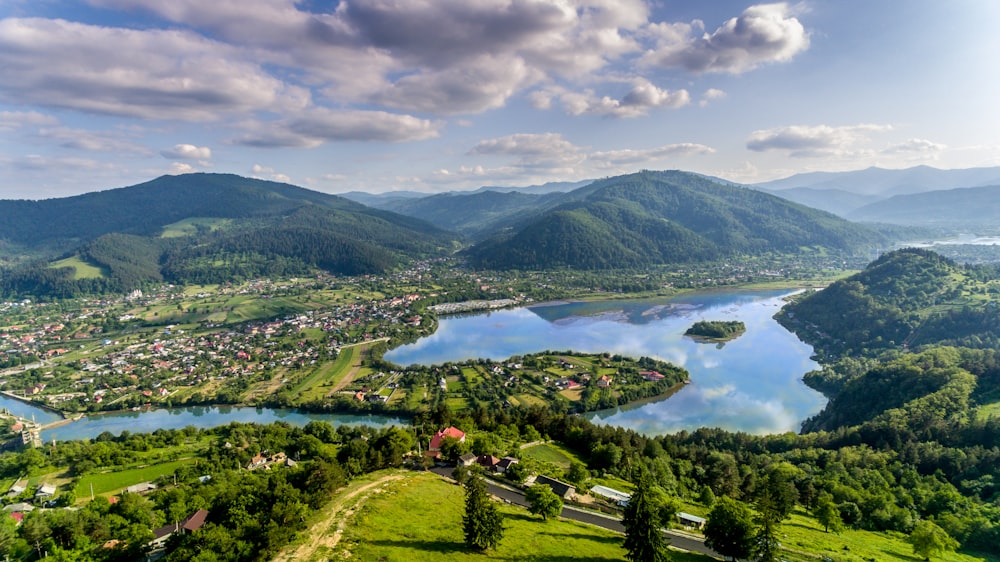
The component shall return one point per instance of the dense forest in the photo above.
(904, 299)
(260, 229)
(665, 217)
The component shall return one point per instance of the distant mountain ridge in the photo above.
(844, 193)
(969, 206)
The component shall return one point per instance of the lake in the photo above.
(752, 384)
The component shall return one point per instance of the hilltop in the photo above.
(653, 218)
(200, 228)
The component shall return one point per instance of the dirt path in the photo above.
(327, 532)
(363, 350)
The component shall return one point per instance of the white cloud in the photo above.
(314, 127)
(549, 156)
(94, 141)
(637, 102)
(12, 120)
(815, 141)
(765, 33)
(150, 74)
(915, 147)
(179, 168)
(268, 173)
(533, 150)
(49, 163)
(642, 156)
(472, 87)
(187, 152)
(710, 95)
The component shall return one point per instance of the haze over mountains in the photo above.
(858, 195)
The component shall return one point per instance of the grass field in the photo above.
(189, 226)
(550, 452)
(988, 411)
(419, 519)
(113, 482)
(321, 381)
(81, 269)
(804, 540)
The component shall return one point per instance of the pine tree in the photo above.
(644, 541)
(483, 523)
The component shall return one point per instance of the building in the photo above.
(691, 521)
(439, 437)
(618, 497)
(562, 489)
(504, 464)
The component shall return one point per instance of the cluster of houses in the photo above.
(265, 460)
(173, 358)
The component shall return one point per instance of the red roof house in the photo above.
(439, 437)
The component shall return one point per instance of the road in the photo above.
(678, 539)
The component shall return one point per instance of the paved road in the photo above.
(677, 539)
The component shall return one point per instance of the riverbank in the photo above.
(31, 402)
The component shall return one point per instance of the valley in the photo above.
(205, 345)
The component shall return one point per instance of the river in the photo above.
(751, 384)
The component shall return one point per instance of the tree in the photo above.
(644, 541)
(483, 523)
(827, 514)
(729, 530)
(543, 501)
(577, 474)
(768, 519)
(928, 540)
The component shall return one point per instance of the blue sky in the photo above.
(439, 95)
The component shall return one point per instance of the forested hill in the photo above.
(146, 208)
(476, 214)
(200, 228)
(651, 218)
(904, 299)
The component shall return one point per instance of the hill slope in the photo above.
(244, 227)
(909, 297)
(475, 214)
(664, 217)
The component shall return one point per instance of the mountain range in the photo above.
(210, 228)
(861, 194)
(202, 228)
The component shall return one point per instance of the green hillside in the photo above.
(476, 215)
(905, 299)
(653, 218)
(202, 228)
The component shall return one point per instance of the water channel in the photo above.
(752, 384)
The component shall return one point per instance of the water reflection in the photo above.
(751, 384)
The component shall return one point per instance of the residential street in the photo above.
(678, 539)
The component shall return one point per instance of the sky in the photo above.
(444, 95)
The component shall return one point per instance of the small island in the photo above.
(716, 331)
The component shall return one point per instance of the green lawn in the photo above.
(189, 226)
(81, 269)
(988, 411)
(804, 540)
(550, 452)
(420, 519)
(113, 482)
